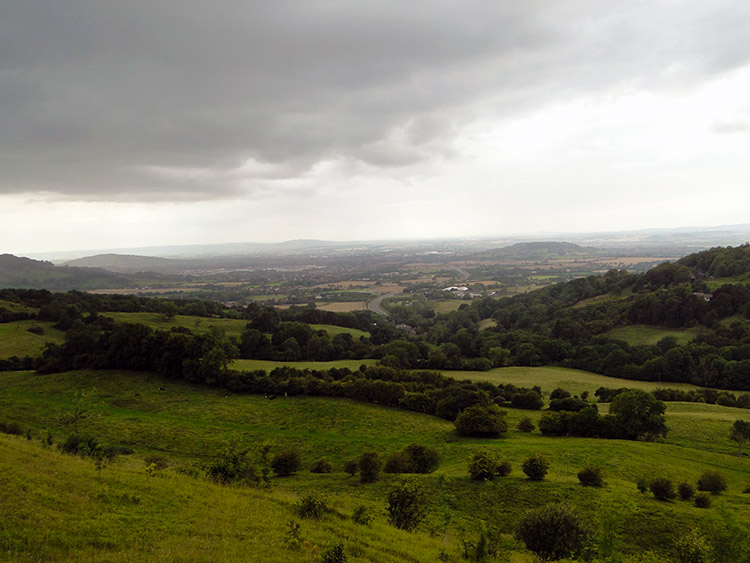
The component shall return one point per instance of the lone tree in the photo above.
(369, 467)
(535, 467)
(408, 505)
(553, 532)
(638, 414)
(740, 433)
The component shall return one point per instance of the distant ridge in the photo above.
(121, 262)
(35, 274)
(540, 250)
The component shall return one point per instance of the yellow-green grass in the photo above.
(487, 323)
(268, 365)
(342, 306)
(446, 306)
(574, 380)
(16, 340)
(56, 509)
(188, 422)
(333, 330)
(14, 307)
(200, 325)
(641, 335)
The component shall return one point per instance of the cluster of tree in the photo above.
(709, 396)
(632, 415)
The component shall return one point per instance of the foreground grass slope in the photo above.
(59, 510)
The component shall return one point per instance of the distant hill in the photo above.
(35, 274)
(543, 250)
(122, 263)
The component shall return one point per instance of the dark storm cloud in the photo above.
(165, 100)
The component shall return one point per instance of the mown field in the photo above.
(56, 509)
(641, 335)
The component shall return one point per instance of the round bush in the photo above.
(321, 466)
(286, 463)
(481, 421)
(712, 482)
(662, 488)
(351, 467)
(702, 500)
(535, 467)
(554, 532)
(591, 477)
(685, 490)
(526, 425)
(503, 468)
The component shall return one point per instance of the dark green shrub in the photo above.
(369, 467)
(421, 458)
(530, 400)
(526, 425)
(662, 488)
(503, 468)
(412, 459)
(12, 428)
(397, 462)
(321, 466)
(36, 329)
(334, 554)
(481, 421)
(554, 532)
(286, 463)
(311, 506)
(407, 505)
(79, 445)
(685, 490)
(641, 484)
(351, 467)
(535, 467)
(559, 393)
(746, 491)
(712, 482)
(591, 477)
(702, 500)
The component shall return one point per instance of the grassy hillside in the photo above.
(550, 377)
(176, 517)
(16, 340)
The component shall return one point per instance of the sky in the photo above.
(141, 123)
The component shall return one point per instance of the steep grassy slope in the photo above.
(60, 511)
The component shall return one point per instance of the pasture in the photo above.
(171, 516)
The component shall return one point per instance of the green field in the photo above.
(16, 307)
(55, 508)
(268, 365)
(640, 335)
(199, 325)
(333, 330)
(16, 340)
(446, 306)
(574, 380)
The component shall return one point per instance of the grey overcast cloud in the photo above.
(165, 122)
